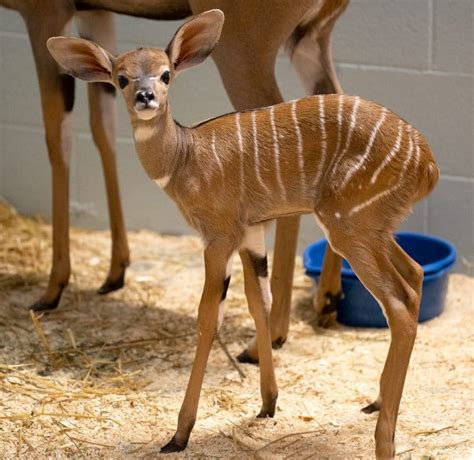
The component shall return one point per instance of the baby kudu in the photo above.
(354, 164)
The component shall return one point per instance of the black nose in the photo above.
(144, 96)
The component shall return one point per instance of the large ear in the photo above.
(195, 40)
(81, 58)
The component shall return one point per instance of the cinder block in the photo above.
(453, 35)
(145, 204)
(11, 21)
(19, 97)
(27, 172)
(384, 32)
(440, 106)
(144, 32)
(451, 215)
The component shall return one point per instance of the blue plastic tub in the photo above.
(359, 308)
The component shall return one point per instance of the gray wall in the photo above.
(415, 56)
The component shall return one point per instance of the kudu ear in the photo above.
(195, 40)
(82, 58)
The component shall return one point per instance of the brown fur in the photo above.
(246, 56)
(360, 169)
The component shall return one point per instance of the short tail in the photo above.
(428, 180)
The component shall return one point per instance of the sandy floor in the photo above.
(108, 377)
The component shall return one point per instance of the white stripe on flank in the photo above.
(239, 132)
(214, 152)
(367, 151)
(322, 126)
(340, 106)
(299, 144)
(276, 151)
(353, 119)
(417, 148)
(255, 151)
(395, 149)
(395, 187)
(241, 149)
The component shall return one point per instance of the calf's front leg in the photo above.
(216, 258)
(257, 290)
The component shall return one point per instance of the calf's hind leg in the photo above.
(412, 273)
(379, 265)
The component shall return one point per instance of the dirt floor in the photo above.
(107, 377)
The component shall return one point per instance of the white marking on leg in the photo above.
(395, 149)
(256, 153)
(322, 126)
(276, 151)
(266, 293)
(299, 145)
(367, 151)
(353, 119)
(228, 271)
(241, 150)
(214, 152)
(254, 240)
(396, 186)
(163, 181)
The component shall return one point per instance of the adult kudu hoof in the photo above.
(245, 358)
(43, 305)
(110, 286)
(371, 408)
(173, 446)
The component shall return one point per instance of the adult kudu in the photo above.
(252, 35)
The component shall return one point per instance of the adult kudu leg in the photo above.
(310, 51)
(57, 98)
(247, 67)
(249, 78)
(99, 26)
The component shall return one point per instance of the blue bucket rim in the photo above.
(434, 267)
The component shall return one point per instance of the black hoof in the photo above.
(267, 412)
(173, 446)
(332, 301)
(371, 408)
(278, 343)
(41, 305)
(110, 286)
(245, 358)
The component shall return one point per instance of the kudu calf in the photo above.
(354, 164)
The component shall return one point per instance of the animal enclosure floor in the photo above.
(107, 378)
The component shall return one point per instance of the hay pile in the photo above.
(104, 376)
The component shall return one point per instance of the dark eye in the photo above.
(165, 77)
(122, 81)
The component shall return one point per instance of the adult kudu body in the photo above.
(252, 35)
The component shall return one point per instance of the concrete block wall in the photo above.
(415, 56)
